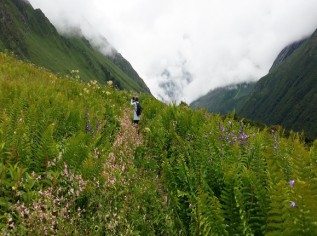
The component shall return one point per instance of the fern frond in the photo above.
(212, 221)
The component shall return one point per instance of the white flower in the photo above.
(109, 83)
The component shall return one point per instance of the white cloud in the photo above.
(215, 42)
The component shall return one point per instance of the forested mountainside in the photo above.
(288, 94)
(30, 35)
(225, 99)
(285, 96)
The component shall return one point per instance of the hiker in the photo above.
(137, 110)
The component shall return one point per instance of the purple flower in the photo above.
(222, 128)
(244, 136)
(291, 183)
(88, 127)
(292, 204)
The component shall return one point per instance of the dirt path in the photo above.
(122, 153)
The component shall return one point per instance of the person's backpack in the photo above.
(138, 109)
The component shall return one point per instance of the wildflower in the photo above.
(293, 204)
(244, 136)
(11, 223)
(110, 83)
(59, 156)
(88, 127)
(79, 213)
(65, 169)
(222, 128)
(291, 183)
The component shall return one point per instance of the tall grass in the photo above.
(72, 160)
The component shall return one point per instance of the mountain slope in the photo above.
(72, 163)
(288, 94)
(225, 99)
(30, 35)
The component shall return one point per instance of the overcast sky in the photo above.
(184, 48)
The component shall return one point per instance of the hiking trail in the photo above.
(122, 152)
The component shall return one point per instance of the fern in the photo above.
(231, 207)
(91, 167)
(76, 150)
(279, 209)
(212, 221)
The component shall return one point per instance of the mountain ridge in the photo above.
(286, 52)
(288, 94)
(224, 100)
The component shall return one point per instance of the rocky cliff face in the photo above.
(11, 37)
(286, 52)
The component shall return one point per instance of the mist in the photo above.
(184, 48)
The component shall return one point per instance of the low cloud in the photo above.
(184, 48)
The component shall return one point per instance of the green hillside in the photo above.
(72, 163)
(30, 35)
(288, 94)
(224, 100)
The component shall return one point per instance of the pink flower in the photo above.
(65, 169)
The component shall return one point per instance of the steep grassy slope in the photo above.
(72, 163)
(225, 99)
(30, 35)
(288, 94)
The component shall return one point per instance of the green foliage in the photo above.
(71, 163)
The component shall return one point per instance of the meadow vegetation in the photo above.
(71, 163)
